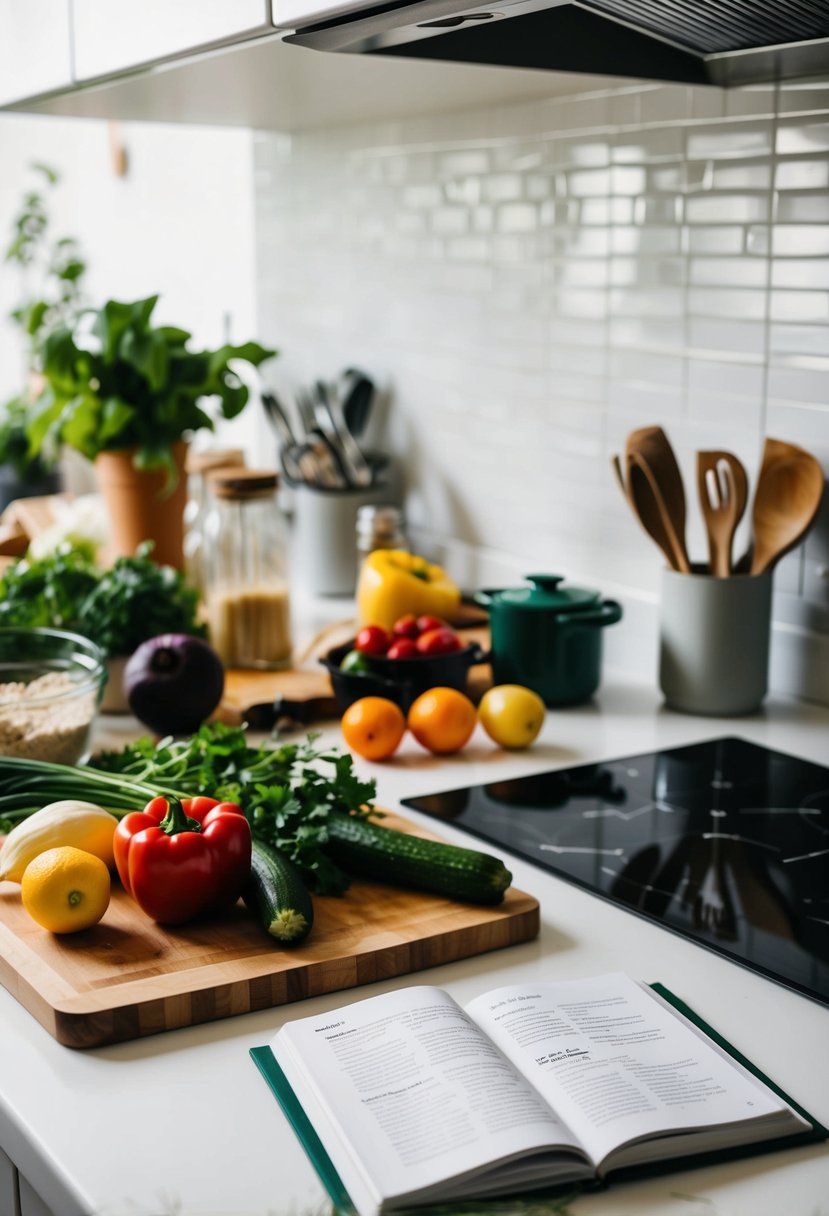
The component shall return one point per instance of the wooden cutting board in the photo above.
(311, 683)
(128, 977)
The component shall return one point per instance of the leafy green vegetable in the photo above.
(118, 608)
(48, 593)
(135, 600)
(14, 444)
(287, 791)
(121, 382)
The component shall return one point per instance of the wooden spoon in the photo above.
(652, 445)
(649, 505)
(789, 490)
(723, 492)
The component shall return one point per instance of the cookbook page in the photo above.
(616, 1062)
(417, 1090)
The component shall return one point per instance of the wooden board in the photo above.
(128, 977)
(312, 683)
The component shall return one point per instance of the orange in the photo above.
(442, 720)
(373, 727)
(65, 889)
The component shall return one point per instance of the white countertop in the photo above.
(183, 1123)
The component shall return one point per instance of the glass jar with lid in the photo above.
(246, 568)
(379, 527)
(198, 466)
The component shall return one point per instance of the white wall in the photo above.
(179, 224)
(532, 282)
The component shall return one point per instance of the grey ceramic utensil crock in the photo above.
(714, 642)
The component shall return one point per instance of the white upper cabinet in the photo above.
(112, 36)
(35, 54)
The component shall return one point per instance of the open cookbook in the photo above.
(408, 1099)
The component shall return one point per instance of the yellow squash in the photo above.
(394, 583)
(69, 822)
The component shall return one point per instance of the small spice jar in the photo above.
(198, 466)
(246, 564)
(379, 527)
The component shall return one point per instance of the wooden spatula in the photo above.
(723, 492)
(789, 490)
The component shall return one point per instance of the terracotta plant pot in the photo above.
(138, 509)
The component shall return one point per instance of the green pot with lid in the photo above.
(548, 637)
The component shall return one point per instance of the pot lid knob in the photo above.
(545, 582)
(546, 592)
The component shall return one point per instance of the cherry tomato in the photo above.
(403, 648)
(372, 639)
(425, 624)
(438, 641)
(406, 627)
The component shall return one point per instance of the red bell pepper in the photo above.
(177, 859)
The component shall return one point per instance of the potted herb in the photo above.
(128, 395)
(21, 474)
(51, 272)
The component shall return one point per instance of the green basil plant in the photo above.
(114, 380)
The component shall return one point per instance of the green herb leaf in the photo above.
(287, 792)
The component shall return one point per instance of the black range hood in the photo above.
(721, 42)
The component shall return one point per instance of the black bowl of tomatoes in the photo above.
(416, 654)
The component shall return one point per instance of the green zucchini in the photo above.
(365, 849)
(277, 896)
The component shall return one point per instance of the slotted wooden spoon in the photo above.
(789, 490)
(722, 483)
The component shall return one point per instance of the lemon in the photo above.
(511, 715)
(65, 889)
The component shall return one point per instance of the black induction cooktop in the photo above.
(724, 842)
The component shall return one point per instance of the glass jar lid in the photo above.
(379, 520)
(214, 458)
(242, 483)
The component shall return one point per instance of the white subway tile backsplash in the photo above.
(727, 208)
(788, 341)
(529, 283)
(802, 174)
(804, 208)
(502, 187)
(740, 176)
(811, 272)
(517, 217)
(806, 136)
(714, 302)
(726, 140)
(727, 272)
(718, 239)
(800, 306)
(740, 338)
(800, 240)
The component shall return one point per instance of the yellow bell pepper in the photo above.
(393, 583)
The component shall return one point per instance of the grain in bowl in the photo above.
(50, 689)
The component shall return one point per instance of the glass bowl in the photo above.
(51, 684)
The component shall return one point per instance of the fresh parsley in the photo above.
(287, 791)
(118, 608)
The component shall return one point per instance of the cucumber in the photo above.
(277, 896)
(370, 851)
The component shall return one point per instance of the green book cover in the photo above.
(264, 1059)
